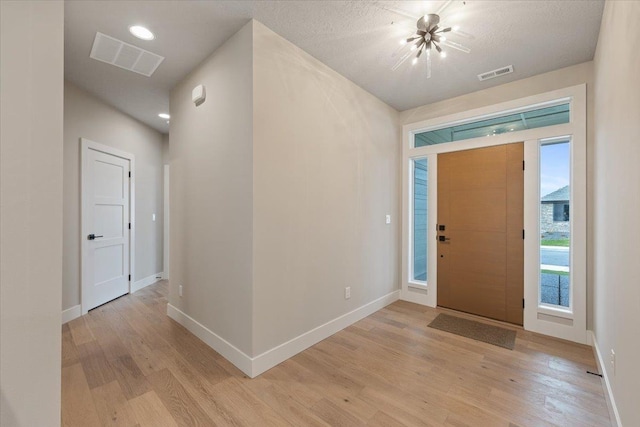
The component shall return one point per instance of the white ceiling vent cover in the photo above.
(124, 55)
(495, 73)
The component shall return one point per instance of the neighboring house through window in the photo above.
(554, 211)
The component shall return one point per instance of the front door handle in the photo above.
(93, 236)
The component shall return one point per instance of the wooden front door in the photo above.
(480, 231)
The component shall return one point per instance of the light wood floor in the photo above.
(126, 363)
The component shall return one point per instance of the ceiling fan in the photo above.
(429, 36)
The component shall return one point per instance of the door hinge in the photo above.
(522, 234)
(129, 174)
(522, 166)
(522, 302)
(129, 277)
(129, 226)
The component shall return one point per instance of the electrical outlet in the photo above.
(180, 290)
(388, 219)
(347, 292)
(613, 361)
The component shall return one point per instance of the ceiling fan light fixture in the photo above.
(429, 36)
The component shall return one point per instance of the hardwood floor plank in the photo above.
(78, 408)
(151, 412)
(127, 363)
(105, 335)
(334, 415)
(69, 349)
(244, 405)
(381, 419)
(112, 406)
(80, 331)
(95, 365)
(283, 404)
(129, 376)
(180, 404)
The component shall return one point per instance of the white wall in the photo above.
(211, 193)
(31, 76)
(617, 202)
(280, 185)
(546, 82)
(326, 158)
(165, 149)
(87, 117)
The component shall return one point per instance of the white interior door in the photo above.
(106, 236)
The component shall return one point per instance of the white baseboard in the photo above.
(71, 313)
(279, 354)
(592, 338)
(216, 342)
(143, 283)
(254, 366)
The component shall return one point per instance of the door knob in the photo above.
(93, 236)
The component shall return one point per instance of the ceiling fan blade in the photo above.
(461, 33)
(405, 45)
(399, 12)
(456, 46)
(444, 7)
(402, 60)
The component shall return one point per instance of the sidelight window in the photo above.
(555, 223)
(420, 192)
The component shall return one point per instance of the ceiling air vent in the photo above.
(124, 55)
(495, 73)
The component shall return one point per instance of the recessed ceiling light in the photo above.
(141, 32)
(164, 116)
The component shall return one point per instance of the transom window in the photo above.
(511, 122)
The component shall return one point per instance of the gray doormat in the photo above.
(478, 331)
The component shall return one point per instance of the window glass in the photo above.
(537, 118)
(555, 223)
(420, 191)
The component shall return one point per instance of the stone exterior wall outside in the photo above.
(548, 225)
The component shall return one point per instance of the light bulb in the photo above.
(141, 32)
(456, 27)
(443, 38)
(443, 54)
(414, 61)
(403, 42)
(413, 47)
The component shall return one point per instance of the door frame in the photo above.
(85, 146)
(165, 218)
(570, 325)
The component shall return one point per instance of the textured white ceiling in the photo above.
(357, 39)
